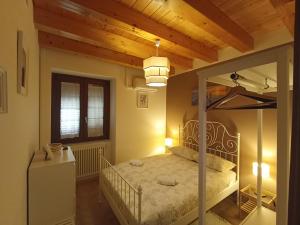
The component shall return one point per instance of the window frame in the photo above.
(57, 79)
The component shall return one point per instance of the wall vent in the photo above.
(139, 84)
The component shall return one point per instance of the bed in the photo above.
(136, 197)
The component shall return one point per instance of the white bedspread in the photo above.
(163, 205)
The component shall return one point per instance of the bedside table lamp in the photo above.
(168, 142)
(265, 170)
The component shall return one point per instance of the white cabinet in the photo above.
(51, 189)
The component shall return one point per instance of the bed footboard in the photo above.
(124, 199)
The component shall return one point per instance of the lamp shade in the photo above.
(156, 71)
(265, 170)
(169, 142)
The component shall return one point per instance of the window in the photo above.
(80, 109)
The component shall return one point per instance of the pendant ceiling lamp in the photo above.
(156, 69)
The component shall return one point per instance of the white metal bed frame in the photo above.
(126, 200)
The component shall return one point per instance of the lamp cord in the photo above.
(157, 43)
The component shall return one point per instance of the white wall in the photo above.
(138, 132)
(268, 40)
(19, 128)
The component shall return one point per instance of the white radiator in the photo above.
(88, 158)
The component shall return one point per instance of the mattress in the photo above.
(163, 205)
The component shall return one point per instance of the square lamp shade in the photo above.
(265, 170)
(156, 71)
(169, 142)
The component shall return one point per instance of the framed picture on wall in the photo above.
(3, 91)
(21, 65)
(142, 100)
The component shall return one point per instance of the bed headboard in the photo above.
(219, 141)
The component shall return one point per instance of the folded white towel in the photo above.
(166, 180)
(136, 162)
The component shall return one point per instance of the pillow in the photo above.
(166, 180)
(216, 162)
(136, 162)
(183, 152)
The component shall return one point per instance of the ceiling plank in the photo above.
(100, 21)
(211, 19)
(118, 27)
(101, 38)
(138, 20)
(279, 2)
(47, 40)
(282, 10)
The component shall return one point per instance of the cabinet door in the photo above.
(51, 193)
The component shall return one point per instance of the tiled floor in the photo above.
(91, 212)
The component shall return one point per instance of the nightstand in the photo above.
(248, 199)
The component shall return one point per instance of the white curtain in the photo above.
(70, 110)
(95, 110)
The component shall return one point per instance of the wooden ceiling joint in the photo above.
(138, 21)
(63, 25)
(47, 40)
(210, 18)
(286, 10)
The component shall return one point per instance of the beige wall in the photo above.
(267, 40)
(138, 132)
(179, 109)
(19, 128)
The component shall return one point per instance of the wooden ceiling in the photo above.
(124, 31)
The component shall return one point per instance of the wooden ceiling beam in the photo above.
(210, 18)
(282, 10)
(80, 30)
(51, 41)
(47, 40)
(138, 21)
(280, 2)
